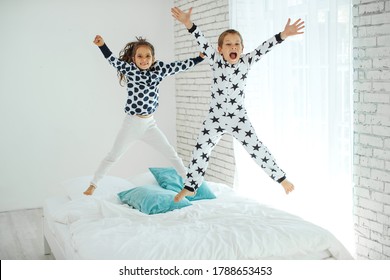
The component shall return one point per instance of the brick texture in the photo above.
(193, 88)
(371, 55)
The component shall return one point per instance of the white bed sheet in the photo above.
(57, 235)
(229, 227)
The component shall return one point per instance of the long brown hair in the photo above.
(129, 52)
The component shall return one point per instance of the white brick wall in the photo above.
(372, 128)
(193, 87)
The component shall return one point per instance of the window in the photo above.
(299, 99)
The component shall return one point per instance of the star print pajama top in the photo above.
(227, 113)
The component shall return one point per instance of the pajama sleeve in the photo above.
(122, 66)
(206, 48)
(261, 50)
(168, 69)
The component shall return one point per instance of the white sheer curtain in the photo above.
(299, 101)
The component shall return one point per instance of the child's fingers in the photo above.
(176, 11)
(301, 23)
(297, 21)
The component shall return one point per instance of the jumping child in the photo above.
(227, 113)
(137, 67)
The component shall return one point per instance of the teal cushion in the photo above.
(152, 199)
(169, 179)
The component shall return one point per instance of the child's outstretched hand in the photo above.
(292, 29)
(98, 41)
(287, 185)
(183, 17)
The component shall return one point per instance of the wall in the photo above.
(60, 102)
(193, 88)
(372, 128)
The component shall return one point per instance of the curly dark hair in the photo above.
(129, 52)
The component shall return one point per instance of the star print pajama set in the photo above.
(142, 100)
(227, 113)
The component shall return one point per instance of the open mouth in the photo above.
(233, 55)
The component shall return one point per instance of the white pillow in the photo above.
(108, 187)
(143, 179)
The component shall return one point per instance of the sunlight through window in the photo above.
(299, 98)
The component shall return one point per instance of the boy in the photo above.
(227, 112)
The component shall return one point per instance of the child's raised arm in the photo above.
(184, 18)
(122, 66)
(292, 29)
(289, 30)
(98, 41)
(168, 69)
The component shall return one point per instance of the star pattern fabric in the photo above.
(227, 113)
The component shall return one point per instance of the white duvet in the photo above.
(229, 227)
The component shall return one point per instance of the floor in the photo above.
(21, 235)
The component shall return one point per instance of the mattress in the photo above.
(228, 227)
(57, 238)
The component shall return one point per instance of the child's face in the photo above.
(143, 58)
(232, 48)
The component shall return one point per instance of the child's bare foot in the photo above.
(90, 190)
(287, 185)
(183, 193)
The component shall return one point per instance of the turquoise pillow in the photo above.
(151, 199)
(169, 179)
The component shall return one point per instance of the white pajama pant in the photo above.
(240, 128)
(142, 129)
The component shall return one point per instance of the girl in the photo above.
(137, 67)
(227, 112)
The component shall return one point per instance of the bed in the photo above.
(223, 228)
